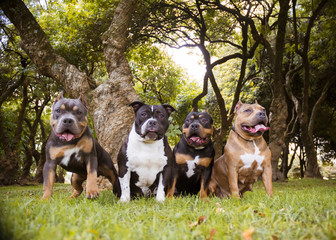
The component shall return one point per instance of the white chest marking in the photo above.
(191, 166)
(68, 153)
(249, 158)
(147, 159)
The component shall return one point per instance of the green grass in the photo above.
(300, 209)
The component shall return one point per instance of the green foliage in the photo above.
(157, 78)
(288, 215)
(75, 29)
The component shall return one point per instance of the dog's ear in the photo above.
(82, 99)
(238, 105)
(168, 108)
(192, 110)
(256, 102)
(60, 96)
(136, 105)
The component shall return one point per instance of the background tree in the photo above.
(199, 24)
(108, 101)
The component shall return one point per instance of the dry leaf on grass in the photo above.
(259, 213)
(212, 233)
(247, 234)
(200, 220)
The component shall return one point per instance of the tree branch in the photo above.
(39, 49)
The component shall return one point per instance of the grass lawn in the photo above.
(300, 209)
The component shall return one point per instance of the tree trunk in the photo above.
(9, 163)
(278, 119)
(284, 163)
(302, 162)
(278, 107)
(312, 170)
(39, 171)
(108, 102)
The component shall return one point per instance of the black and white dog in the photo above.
(145, 159)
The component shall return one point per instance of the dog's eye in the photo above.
(143, 114)
(204, 120)
(187, 121)
(247, 110)
(161, 115)
(57, 110)
(79, 112)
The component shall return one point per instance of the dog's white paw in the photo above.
(124, 199)
(160, 197)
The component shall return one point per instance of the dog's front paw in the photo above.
(124, 199)
(92, 193)
(46, 195)
(160, 198)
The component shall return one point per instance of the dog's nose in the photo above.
(152, 123)
(261, 114)
(194, 126)
(68, 121)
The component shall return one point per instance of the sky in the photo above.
(189, 59)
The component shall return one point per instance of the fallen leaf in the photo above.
(212, 233)
(200, 220)
(247, 234)
(93, 231)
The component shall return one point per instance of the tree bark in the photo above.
(108, 102)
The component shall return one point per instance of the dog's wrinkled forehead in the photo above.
(151, 111)
(72, 106)
(144, 111)
(249, 108)
(203, 118)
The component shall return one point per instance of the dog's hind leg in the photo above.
(76, 182)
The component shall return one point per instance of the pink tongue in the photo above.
(194, 139)
(67, 136)
(259, 127)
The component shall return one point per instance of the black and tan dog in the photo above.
(194, 156)
(246, 155)
(72, 146)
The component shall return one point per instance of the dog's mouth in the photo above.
(259, 128)
(66, 135)
(196, 140)
(151, 135)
